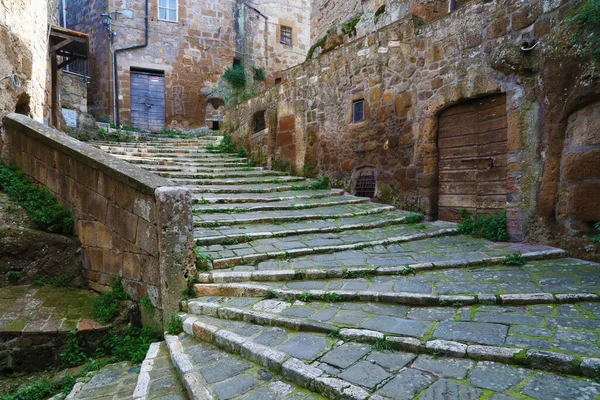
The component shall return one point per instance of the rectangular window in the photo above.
(358, 111)
(167, 10)
(286, 35)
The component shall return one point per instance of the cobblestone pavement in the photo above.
(318, 293)
(45, 309)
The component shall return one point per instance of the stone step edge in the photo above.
(236, 190)
(189, 376)
(142, 388)
(249, 181)
(291, 368)
(333, 273)
(274, 207)
(292, 253)
(206, 241)
(334, 193)
(405, 298)
(203, 170)
(183, 163)
(217, 175)
(290, 218)
(509, 355)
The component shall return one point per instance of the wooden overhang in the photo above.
(71, 46)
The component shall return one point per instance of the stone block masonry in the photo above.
(131, 223)
(409, 76)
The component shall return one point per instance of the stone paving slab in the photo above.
(46, 309)
(230, 377)
(277, 205)
(286, 228)
(394, 374)
(457, 249)
(338, 211)
(461, 324)
(578, 277)
(115, 381)
(329, 242)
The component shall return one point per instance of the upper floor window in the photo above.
(167, 10)
(358, 111)
(286, 35)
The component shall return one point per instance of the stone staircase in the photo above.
(320, 294)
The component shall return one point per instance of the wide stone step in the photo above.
(208, 236)
(558, 328)
(187, 156)
(203, 170)
(255, 188)
(221, 163)
(498, 284)
(234, 198)
(342, 211)
(444, 251)
(193, 173)
(278, 205)
(153, 149)
(209, 372)
(386, 366)
(242, 181)
(231, 253)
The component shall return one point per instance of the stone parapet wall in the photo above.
(407, 73)
(131, 223)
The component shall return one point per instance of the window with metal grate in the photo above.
(286, 35)
(365, 184)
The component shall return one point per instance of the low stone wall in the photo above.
(131, 223)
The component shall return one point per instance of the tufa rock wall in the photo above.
(409, 72)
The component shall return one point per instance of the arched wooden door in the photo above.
(472, 157)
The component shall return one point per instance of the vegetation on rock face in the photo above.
(107, 305)
(130, 344)
(259, 74)
(46, 213)
(319, 44)
(236, 76)
(587, 22)
(175, 325)
(349, 28)
(320, 184)
(225, 147)
(492, 228)
(42, 390)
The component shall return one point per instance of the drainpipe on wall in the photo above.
(115, 67)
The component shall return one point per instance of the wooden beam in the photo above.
(60, 45)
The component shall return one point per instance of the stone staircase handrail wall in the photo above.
(131, 223)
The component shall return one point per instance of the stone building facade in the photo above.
(456, 110)
(189, 46)
(24, 52)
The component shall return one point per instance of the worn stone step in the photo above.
(158, 378)
(386, 367)
(294, 204)
(223, 174)
(566, 281)
(541, 327)
(342, 211)
(201, 170)
(234, 198)
(212, 373)
(444, 250)
(187, 156)
(231, 253)
(114, 381)
(115, 149)
(209, 236)
(252, 180)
